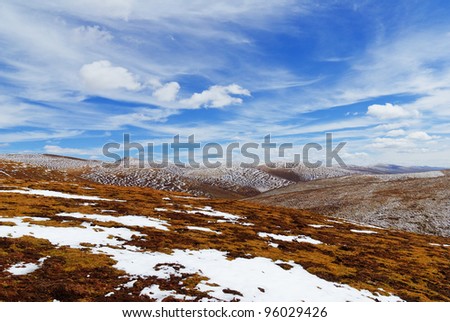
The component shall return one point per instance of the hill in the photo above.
(416, 202)
(66, 238)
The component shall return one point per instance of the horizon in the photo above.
(75, 76)
(237, 164)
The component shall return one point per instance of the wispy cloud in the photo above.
(55, 149)
(24, 136)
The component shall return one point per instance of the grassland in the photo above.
(411, 266)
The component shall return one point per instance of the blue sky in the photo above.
(75, 75)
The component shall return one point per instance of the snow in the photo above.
(334, 221)
(244, 275)
(25, 219)
(5, 173)
(203, 229)
(356, 223)
(441, 245)
(189, 197)
(160, 209)
(209, 211)
(300, 239)
(25, 268)
(414, 175)
(140, 221)
(363, 231)
(86, 204)
(320, 226)
(156, 293)
(129, 284)
(174, 178)
(55, 194)
(68, 236)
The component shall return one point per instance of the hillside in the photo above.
(66, 238)
(418, 202)
(232, 183)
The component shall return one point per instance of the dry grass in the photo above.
(401, 263)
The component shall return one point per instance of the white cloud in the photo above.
(421, 136)
(395, 133)
(250, 12)
(355, 157)
(436, 102)
(397, 125)
(103, 76)
(389, 111)
(15, 113)
(140, 118)
(216, 96)
(167, 92)
(55, 149)
(24, 136)
(397, 143)
(442, 128)
(413, 140)
(120, 9)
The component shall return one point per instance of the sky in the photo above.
(77, 74)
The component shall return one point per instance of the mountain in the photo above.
(235, 182)
(393, 169)
(66, 238)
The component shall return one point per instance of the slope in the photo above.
(68, 239)
(413, 202)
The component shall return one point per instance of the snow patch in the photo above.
(140, 221)
(85, 204)
(246, 276)
(6, 174)
(25, 268)
(209, 211)
(68, 236)
(320, 226)
(189, 197)
(55, 194)
(363, 231)
(203, 229)
(154, 292)
(299, 239)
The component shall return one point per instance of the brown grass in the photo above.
(401, 263)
